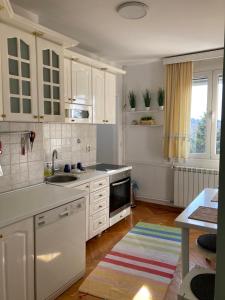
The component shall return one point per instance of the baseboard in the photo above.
(156, 201)
(157, 204)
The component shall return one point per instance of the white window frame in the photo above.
(208, 76)
(212, 77)
(216, 75)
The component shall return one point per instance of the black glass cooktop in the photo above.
(106, 167)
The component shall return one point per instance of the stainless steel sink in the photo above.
(61, 178)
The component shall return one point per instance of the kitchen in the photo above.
(70, 151)
(76, 205)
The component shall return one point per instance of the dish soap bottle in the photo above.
(47, 170)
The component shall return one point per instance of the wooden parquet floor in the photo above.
(98, 247)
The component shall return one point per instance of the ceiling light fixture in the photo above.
(132, 10)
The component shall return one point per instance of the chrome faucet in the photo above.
(54, 155)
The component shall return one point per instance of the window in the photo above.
(205, 121)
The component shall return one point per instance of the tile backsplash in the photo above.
(20, 170)
(73, 142)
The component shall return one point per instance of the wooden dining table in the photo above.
(205, 199)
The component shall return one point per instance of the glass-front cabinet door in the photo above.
(18, 75)
(50, 81)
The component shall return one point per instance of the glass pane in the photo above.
(55, 60)
(12, 46)
(13, 67)
(55, 75)
(219, 111)
(47, 91)
(26, 88)
(46, 57)
(14, 86)
(46, 75)
(15, 104)
(198, 126)
(24, 50)
(47, 108)
(56, 108)
(56, 93)
(25, 70)
(26, 106)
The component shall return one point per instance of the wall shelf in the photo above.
(156, 125)
(143, 111)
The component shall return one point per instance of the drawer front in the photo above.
(84, 187)
(98, 206)
(99, 195)
(98, 223)
(99, 184)
(123, 214)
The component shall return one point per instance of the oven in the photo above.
(120, 192)
(78, 113)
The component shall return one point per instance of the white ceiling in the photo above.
(171, 27)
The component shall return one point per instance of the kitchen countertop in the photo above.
(83, 178)
(28, 202)
(88, 176)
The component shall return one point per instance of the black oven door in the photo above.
(119, 196)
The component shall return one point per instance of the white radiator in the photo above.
(189, 182)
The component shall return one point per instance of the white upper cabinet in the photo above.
(17, 261)
(67, 80)
(98, 85)
(81, 84)
(18, 60)
(104, 97)
(50, 81)
(110, 98)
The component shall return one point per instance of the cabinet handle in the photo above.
(3, 115)
(1, 236)
(100, 206)
(41, 117)
(100, 184)
(64, 214)
(99, 223)
(41, 223)
(106, 121)
(100, 195)
(35, 117)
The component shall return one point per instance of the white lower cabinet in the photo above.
(17, 261)
(97, 206)
(98, 223)
(86, 187)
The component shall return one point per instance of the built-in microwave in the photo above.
(77, 113)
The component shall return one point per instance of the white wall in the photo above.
(144, 145)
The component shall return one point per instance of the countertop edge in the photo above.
(80, 194)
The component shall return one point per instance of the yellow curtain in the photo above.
(177, 110)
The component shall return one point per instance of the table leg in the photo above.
(185, 251)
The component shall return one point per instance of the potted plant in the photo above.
(147, 99)
(161, 98)
(132, 100)
(147, 121)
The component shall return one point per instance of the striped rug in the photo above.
(140, 266)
